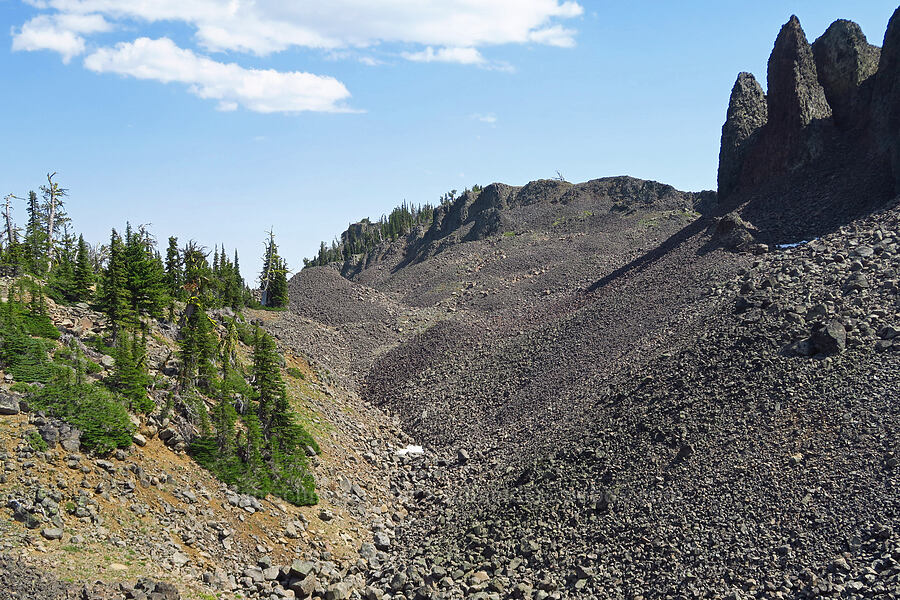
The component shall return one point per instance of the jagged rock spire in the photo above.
(795, 96)
(886, 97)
(845, 60)
(747, 113)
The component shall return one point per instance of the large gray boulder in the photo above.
(9, 404)
(845, 60)
(747, 114)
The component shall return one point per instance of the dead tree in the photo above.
(53, 195)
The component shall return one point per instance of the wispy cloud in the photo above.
(260, 90)
(463, 56)
(451, 31)
(489, 118)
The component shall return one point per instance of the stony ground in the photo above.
(612, 406)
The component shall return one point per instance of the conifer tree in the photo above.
(144, 274)
(174, 275)
(198, 348)
(273, 279)
(84, 273)
(114, 300)
(273, 409)
(35, 238)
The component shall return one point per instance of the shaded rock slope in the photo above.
(623, 393)
(820, 147)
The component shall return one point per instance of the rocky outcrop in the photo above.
(796, 98)
(747, 114)
(827, 147)
(845, 62)
(886, 97)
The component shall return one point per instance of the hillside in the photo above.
(625, 392)
(611, 389)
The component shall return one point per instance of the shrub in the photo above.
(37, 443)
(103, 421)
(296, 373)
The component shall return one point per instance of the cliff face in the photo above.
(826, 136)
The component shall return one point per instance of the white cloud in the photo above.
(489, 118)
(60, 33)
(463, 56)
(260, 90)
(448, 31)
(266, 26)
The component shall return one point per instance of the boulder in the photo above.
(830, 337)
(9, 404)
(733, 233)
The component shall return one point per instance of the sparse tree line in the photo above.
(245, 430)
(361, 240)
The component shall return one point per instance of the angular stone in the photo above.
(9, 404)
(830, 338)
(52, 533)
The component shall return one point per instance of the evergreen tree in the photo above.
(144, 274)
(130, 377)
(174, 275)
(114, 299)
(35, 238)
(271, 393)
(198, 348)
(273, 279)
(84, 273)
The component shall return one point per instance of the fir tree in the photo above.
(35, 238)
(198, 348)
(114, 300)
(144, 274)
(271, 393)
(84, 273)
(174, 274)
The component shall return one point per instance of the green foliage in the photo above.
(37, 443)
(296, 373)
(273, 278)
(366, 236)
(25, 357)
(145, 277)
(113, 298)
(268, 453)
(103, 421)
(84, 271)
(198, 342)
(129, 376)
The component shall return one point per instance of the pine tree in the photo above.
(174, 274)
(273, 278)
(84, 273)
(198, 348)
(144, 274)
(130, 377)
(114, 299)
(35, 238)
(271, 393)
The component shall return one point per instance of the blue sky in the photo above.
(222, 119)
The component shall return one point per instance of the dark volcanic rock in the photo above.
(830, 337)
(795, 96)
(886, 97)
(747, 113)
(845, 60)
(733, 232)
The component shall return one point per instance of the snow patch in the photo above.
(410, 450)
